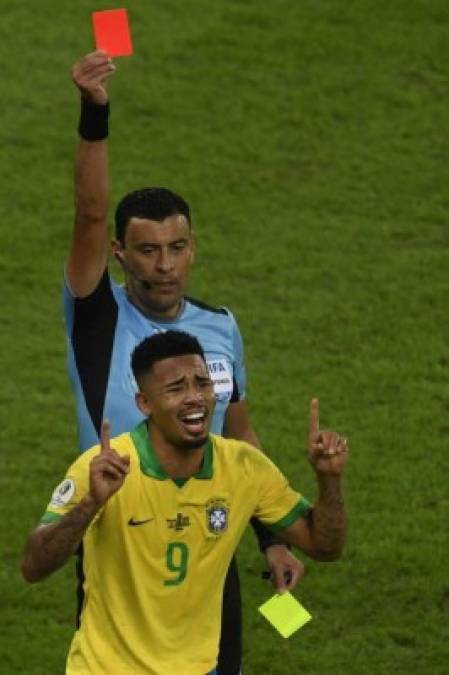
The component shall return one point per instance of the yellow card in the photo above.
(285, 613)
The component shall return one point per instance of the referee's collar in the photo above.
(149, 462)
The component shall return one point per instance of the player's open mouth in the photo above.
(194, 422)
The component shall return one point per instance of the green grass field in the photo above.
(311, 139)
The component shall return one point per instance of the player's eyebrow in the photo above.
(180, 380)
(202, 378)
(173, 383)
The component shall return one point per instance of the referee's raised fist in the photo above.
(90, 74)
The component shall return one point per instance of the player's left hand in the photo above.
(286, 570)
(328, 452)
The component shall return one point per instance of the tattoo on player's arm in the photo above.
(52, 545)
(328, 519)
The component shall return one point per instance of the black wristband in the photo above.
(265, 537)
(94, 121)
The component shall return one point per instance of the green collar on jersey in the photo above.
(149, 462)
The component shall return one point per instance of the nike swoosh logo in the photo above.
(134, 523)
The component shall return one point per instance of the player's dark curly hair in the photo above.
(152, 203)
(163, 346)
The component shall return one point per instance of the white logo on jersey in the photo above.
(217, 515)
(63, 493)
(221, 376)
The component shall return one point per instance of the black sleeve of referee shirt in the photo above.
(94, 323)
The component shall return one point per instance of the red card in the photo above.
(111, 30)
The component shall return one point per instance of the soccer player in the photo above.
(161, 510)
(155, 247)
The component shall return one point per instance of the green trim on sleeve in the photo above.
(50, 517)
(298, 511)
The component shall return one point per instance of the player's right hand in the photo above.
(108, 469)
(328, 451)
(90, 74)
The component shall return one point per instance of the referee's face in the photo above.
(156, 260)
(178, 397)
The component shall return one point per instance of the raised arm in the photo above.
(89, 249)
(322, 534)
(284, 568)
(50, 546)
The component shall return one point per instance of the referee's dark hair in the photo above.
(151, 203)
(163, 346)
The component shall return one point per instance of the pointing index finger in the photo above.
(314, 419)
(105, 436)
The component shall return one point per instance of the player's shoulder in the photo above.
(122, 444)
(234, 451)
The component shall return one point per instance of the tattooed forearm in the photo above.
(328, 519)
(50, 546)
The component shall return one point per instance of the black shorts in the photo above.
(230, 652)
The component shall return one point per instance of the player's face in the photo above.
(178, 395)
(159, 254)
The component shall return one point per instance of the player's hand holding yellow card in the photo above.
(285, 613)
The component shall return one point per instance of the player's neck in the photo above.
(176, 462)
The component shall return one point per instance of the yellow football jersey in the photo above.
(156, 555)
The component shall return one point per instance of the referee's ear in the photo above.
(143, 404)
(192, 247)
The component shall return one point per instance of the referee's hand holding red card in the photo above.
(90, 74)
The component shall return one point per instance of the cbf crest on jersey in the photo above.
(63, 493)
(217, 516)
